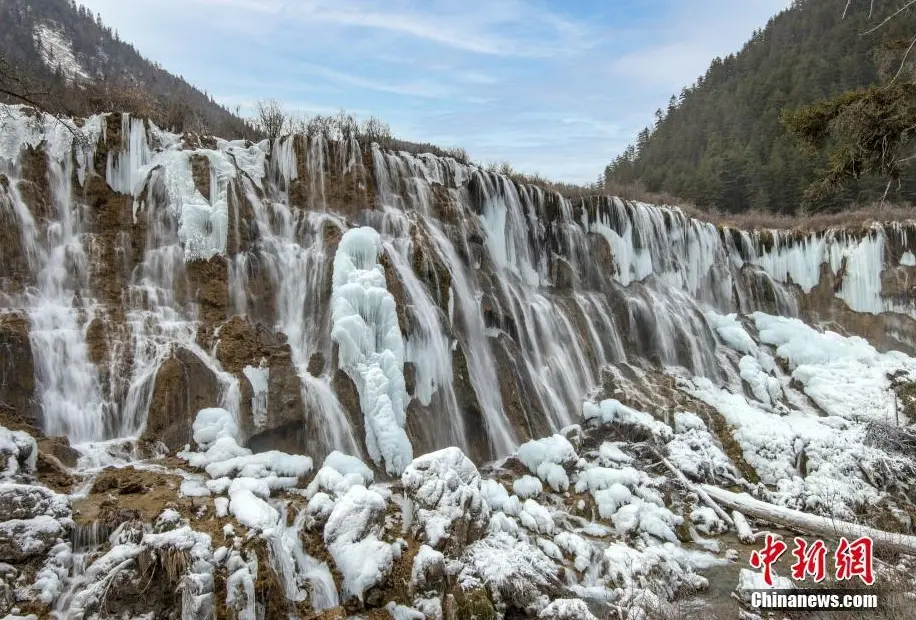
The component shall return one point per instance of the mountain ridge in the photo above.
(65, 59)
(721, 143)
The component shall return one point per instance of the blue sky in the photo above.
(553, 87)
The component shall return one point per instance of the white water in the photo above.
(303, 577)
(504, 247)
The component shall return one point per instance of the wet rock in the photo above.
(96, 341)
(475, 427)
(284, 391)
(348, 396)
(242, 343)
(13, 266)
(116, 242)
(394, 286)
(184, 385)
(59, 448)
(410, 377)
(17, 372)
(35, 186)
(525, 414)
(316, 365)
(429, 269)
(200, 172)
(562, 274)
(208, 288)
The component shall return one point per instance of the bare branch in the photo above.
(905, 56)
(892, 16)
(272, 119)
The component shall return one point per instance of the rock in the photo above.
(284, 391)
(59, 448)
(17, 371)
(96, 341)
(445, 489)
(27, 501)
(208, 287)
(562, 274)
(337, 613)
(473, 605)
(200, 172)
(52, 473)
(184, 385)
(394, 286)
(290, 426)
(242, 343)
(317, 363)
(474, 421)
(348, 396)
(21, 539)
(410, 377)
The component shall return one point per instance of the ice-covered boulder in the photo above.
(566, 609)
(21, 539)
(547, 457)
(516, 573)
(352, 537)
(26, 501)
(444, 487)
(19, 453)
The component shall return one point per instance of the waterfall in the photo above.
(508, 300)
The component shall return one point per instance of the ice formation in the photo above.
(487, 312)
(371, 347)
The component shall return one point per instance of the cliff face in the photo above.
(155, 275)
(489, 376)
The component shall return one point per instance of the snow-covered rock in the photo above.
(352, 537)
(547, 458)
(444, 487)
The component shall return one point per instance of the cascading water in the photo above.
(55, 289)
(511, 299)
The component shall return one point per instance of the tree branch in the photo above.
(892, 16)
(905, 56)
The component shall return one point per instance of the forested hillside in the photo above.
(63, 58)
(721, 143)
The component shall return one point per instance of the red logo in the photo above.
(772, 550)
(809, 560)
(852, 559)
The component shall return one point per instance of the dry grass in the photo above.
(807, 222)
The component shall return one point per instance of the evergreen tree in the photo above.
(722, 142)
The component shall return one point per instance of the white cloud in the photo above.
(556, 88)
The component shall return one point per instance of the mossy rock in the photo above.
(906, 392)
(474, 605)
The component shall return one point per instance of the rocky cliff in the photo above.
(329, 298)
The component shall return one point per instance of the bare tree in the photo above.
(373, 129)
(15, 85)
(272, 118)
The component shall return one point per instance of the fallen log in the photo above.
(809, 523)
(697, 489)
